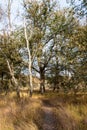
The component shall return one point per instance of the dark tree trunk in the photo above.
(18, 92)
(6, 89)
(42, 84)
(54, 87)
(42, 87)
(2, 75)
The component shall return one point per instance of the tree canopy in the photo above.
(52, 46)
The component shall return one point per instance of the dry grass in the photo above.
(70, 111)
(19, 114)
(26, 114)
(79, 114)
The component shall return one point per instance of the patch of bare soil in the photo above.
(49, 121)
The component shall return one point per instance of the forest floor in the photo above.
(51, 111)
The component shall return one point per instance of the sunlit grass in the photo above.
(77, 111)
(70, 111)
(19, 114)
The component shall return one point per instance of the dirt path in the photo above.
(49, 121)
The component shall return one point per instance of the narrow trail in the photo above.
(49, 121)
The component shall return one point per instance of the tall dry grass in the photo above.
(23, 114)
(26, 114)
(70, 111)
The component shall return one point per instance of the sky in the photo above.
(63, 3)
(17, 10)
(17, 4)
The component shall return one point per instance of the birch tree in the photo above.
(9, 41)
(29, 57)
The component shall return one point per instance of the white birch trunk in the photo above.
(6, 58)
(9, 66)
(29, 60)
(13, 78)
(9, 15)
(12, 74)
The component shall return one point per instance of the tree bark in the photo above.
(2, 82)
(12, 75)
(13, 79)
(42, 83)
(29, 60)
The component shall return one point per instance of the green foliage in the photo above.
(58, 45)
